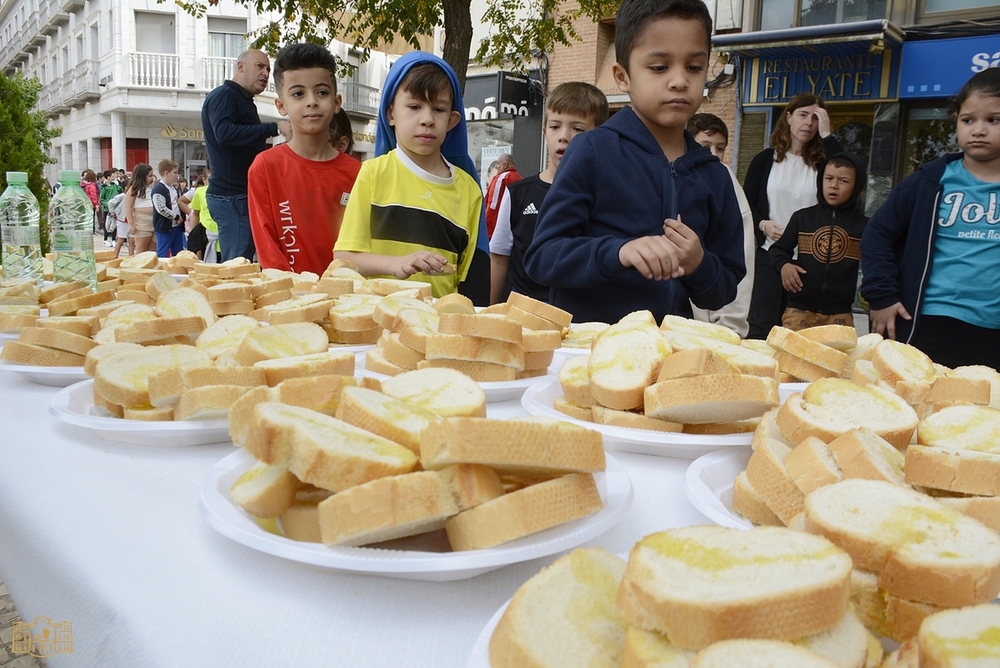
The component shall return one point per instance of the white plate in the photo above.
(498, 391)
(57, 376)
(233, 522)
(538, 399)
(708, 485)
(350, 348)
(9, 336)
(75, 405)
(480, 657)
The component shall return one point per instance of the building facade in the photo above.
(125, 79)
(885, 68)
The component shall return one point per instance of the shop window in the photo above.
(777, 14)
(930, 133)
(957, 5)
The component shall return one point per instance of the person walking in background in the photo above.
(711, 132)
(780, 181)
(929, 261)
(116, 216)
(234, 136)
(822, 279)
(168, 223)
(571, 109)
(109, 190)
(88, 181)
(298, 190)
(201, 216)
(139, 207)
(506, 175)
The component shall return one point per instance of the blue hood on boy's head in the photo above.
(456, 143)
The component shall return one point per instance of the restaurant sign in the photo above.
(851, 74)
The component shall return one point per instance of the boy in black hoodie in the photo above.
(823, 279)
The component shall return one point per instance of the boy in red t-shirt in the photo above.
(298, 190)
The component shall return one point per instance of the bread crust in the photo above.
(722, 397)
(793, 343)
(766, 473)
(57, 340)
(750, 504)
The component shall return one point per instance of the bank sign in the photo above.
(851, 74)
(939, 68)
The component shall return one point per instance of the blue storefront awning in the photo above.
(939, 68)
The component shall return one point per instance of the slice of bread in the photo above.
(768, 428)
(716, 428)
(624, 360)
(524, 512)
(225, 334)
(82, 325)
(444, 392)
(982, 373)
(551, 313)
(301, 520)
(582, 334)
(801, 369)
(57, 340)
(97, 353)
(530, 320)
(575, 411)
(841, 337)
(700, 585)
(959, 451)
(376, 362)
(123, 379)
(946, 388)
(744, 358)
(208, 402)
(241, 413)
(167, 386)
(767, 473)
(897, 361)
(832, 406)
(160, 329)
(487, 326)
(472, 484)
(265, 490)
(574, 379)
(564, 616)
(694, 362)
(616, 418)
(709, 330)
(481, 372)
(454, 303)
(384, 415)
(966, 638)
(386, 509)
(793, 343)
(148, 413)
(277, 341)
(648, 649)
(320, 393)
(986, 509)
(529, 446)
(862, 351)
(725, 397)
(755, 653)
(398, 353)
(537, 340)
(322, 450)
(184, 302)
(921, 550)
(750, 504)
(474, 349)
(861, 453)
(811, 465)
(389, 306)
(300, 366)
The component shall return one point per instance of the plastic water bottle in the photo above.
(22, 249)
(71, 222)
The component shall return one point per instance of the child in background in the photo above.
(298, 190)
(639, 216)
(711, 132)
(929, 257)
(571, 109)
(416, 211)
(342, 133)
(822, 280)
(167, 220)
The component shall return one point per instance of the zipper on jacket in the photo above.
(672, 209)
(927, 266)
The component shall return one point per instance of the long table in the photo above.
(108, 536)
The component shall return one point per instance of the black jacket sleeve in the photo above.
(781, 250)
(755, 187)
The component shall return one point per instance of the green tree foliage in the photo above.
(370, 24)
(25, 138)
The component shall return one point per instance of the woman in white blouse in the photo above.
(780, 181)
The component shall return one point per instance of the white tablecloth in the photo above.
(108, 536)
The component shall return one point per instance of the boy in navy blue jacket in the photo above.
(639, 215)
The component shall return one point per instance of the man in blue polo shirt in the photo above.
(234, 136)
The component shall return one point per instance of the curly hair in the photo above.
(781, 136)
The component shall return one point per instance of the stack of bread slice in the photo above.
(912, 555)
(410, 458)
(632, 379)
(699, 596)
(826, 351)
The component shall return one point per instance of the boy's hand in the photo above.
(421, 261)
(883, 320)
(653, 257)
(771, 229)
(790, 279)
(690, 252)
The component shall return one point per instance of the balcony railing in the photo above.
(82, 87)
(215, 70)
(155, 70)
(360, 98)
